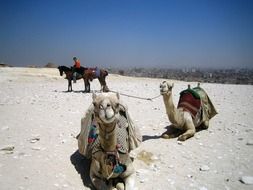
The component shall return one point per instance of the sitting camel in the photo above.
(194, 110)
(107, 136)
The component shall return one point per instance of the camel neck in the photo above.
(171, 110)
(107, 136)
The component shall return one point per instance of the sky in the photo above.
(127, 33)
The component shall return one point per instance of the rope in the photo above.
(131, 96)
(137, 97)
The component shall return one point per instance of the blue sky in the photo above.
(128, 33)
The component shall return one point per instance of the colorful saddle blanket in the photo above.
(190, 101)
(198, 104)
(94, 71)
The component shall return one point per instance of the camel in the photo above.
(187, 117)
(108, 141)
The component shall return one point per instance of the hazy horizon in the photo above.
(122, 34)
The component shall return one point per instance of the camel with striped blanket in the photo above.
(194, 110)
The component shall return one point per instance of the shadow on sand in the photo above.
(170, 131)
(82, 166)
(73, 91)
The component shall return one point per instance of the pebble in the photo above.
(248, 180)
(154, 158)
(204, 168)
(143, 180)
(142, 171)
(5, 128)
(203, 188)
(197, 137)
(34, 139)
(249, 142)
(7, 148)
(35, 148)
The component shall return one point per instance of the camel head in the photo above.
(166, 88)
(106, 107)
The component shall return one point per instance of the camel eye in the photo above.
(108, 105)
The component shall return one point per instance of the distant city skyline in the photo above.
(128, 33)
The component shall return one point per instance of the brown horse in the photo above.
(96, 73)
(88, 75)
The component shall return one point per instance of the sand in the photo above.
(40, 120)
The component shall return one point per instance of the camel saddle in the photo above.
(197, 103)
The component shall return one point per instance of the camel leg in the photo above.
(97, 182)
(129, 182)
(172, 132)
(129, 177)
(189, 126)
(120, 186)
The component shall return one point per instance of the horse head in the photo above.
(60, 70)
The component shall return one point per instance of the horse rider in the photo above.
(76, 68)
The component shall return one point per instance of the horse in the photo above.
(88, 75)
(96, 73)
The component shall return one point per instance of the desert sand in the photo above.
(40, 120)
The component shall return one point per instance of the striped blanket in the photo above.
(198, 104)
(190, 101)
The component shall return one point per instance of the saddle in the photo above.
(198, 104)
(190, 101)
(93, 71)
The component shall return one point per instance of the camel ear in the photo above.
(94, 96)
(117, 94)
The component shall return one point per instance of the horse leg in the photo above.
(104, 87)
(87, 85)
(69, 86)
(84, 85)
